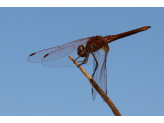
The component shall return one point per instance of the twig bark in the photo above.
(99, 90)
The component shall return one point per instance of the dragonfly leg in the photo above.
(76, 58)
(95, 66)
(84, 61)
(80, 61)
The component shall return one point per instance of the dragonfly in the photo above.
(87, 50)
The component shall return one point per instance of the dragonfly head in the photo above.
(81, 51)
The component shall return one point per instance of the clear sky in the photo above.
(135, 64)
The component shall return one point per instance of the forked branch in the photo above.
(99, 90)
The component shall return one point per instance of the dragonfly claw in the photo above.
(78, 66)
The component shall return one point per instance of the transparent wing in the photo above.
(100, 75)
(55, 56)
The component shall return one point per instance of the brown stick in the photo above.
(99, 90)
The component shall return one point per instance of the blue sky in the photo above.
(134, 66)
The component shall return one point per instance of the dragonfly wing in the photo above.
(37, 56)
(53, 56)
(100, 75)
(103, 75)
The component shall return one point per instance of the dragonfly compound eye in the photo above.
(81, 51)
(80, 48)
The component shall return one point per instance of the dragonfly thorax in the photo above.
(81, 51)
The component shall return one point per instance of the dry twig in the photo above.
(99, 90)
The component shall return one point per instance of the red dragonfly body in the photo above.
(81, 49)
